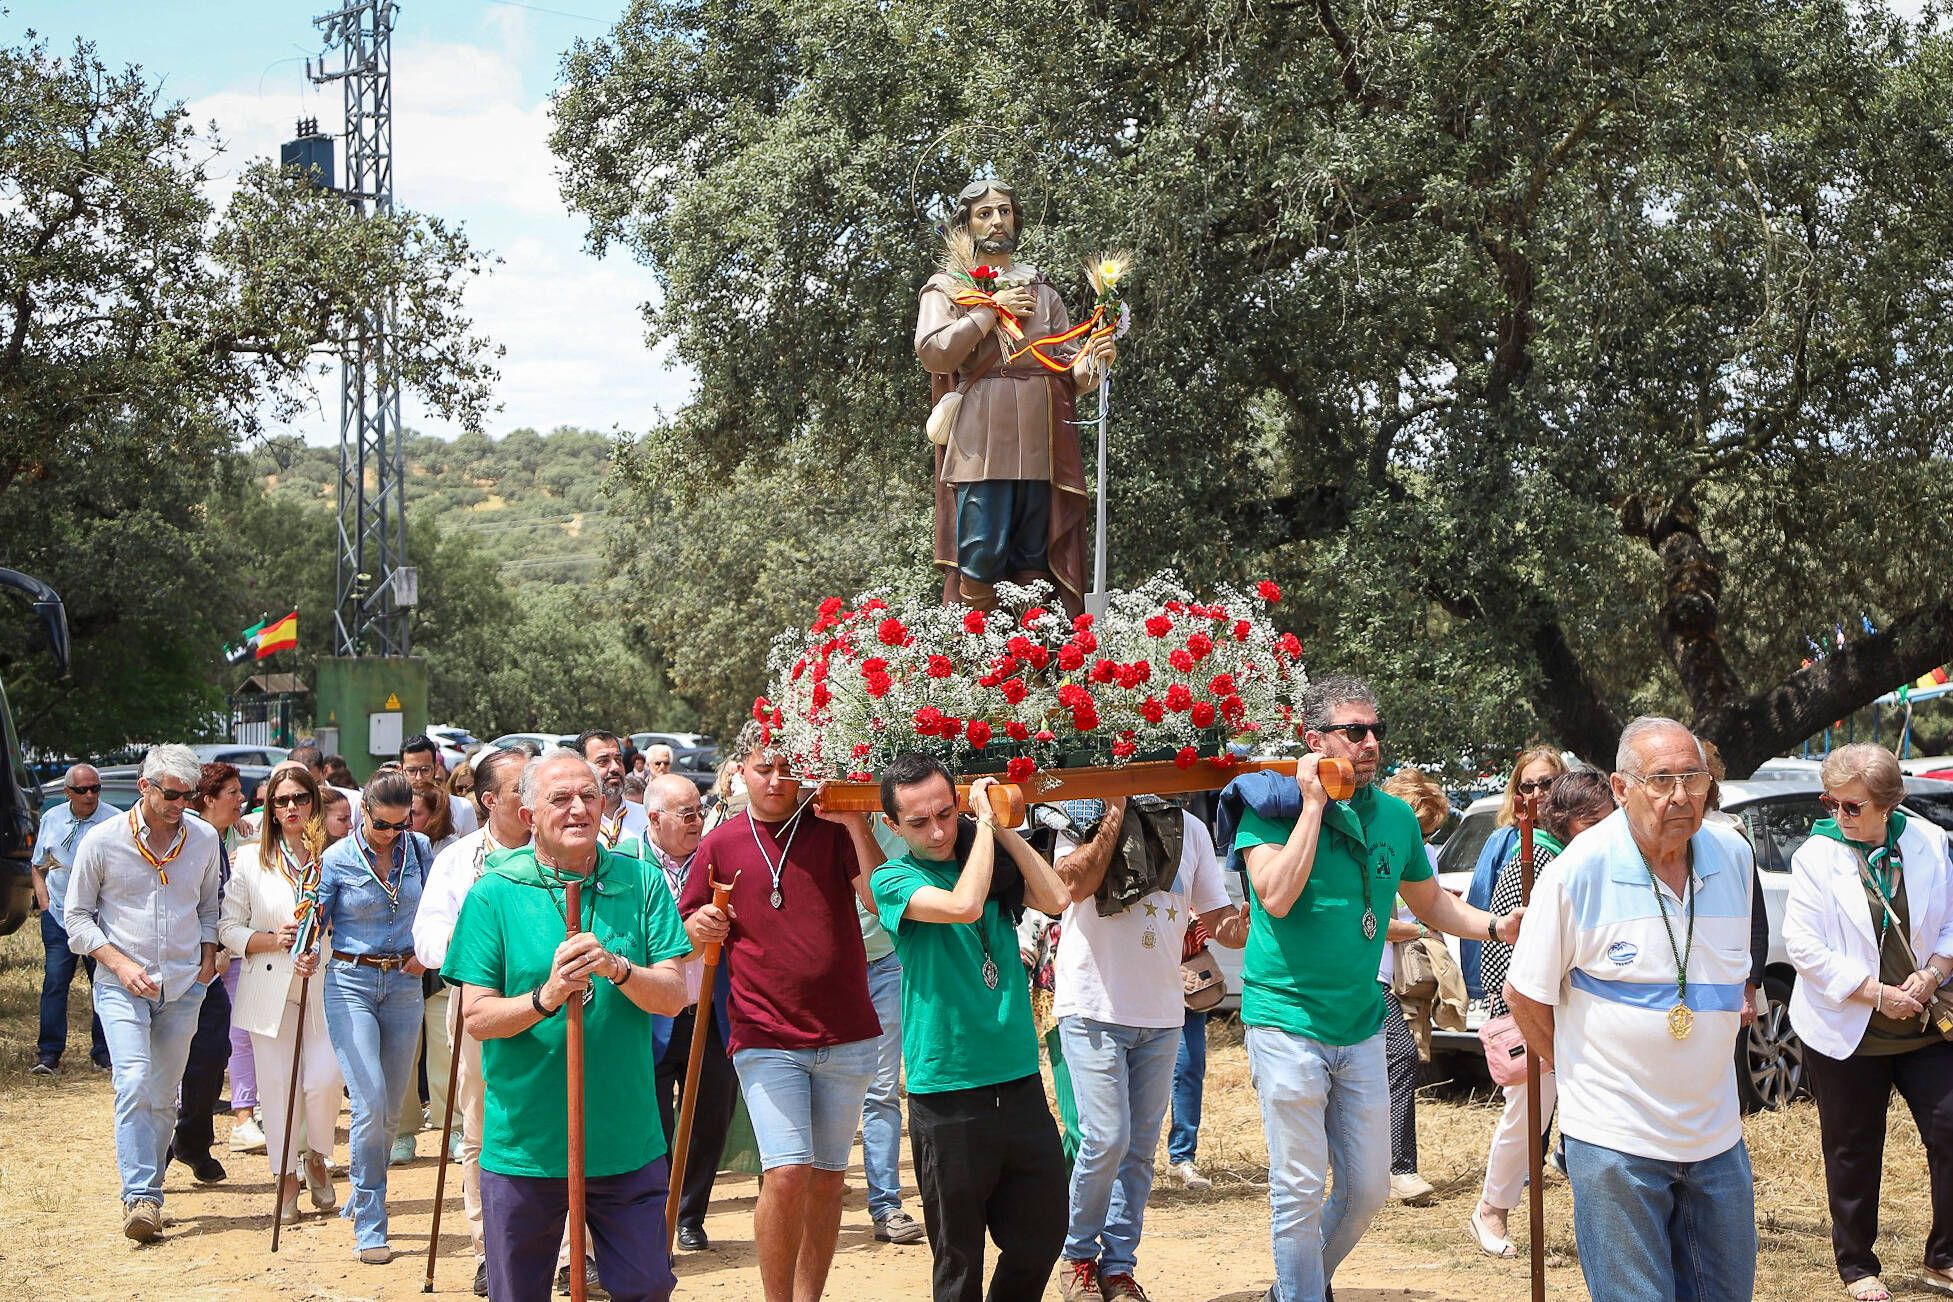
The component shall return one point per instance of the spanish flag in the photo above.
(279, 635)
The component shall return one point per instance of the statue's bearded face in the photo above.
(994, 223)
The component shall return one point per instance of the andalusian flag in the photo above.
(281, 635)
(247, 645)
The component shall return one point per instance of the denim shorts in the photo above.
(806, 1103)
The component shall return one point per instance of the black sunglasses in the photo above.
(1358, 732)
(1533, 786)
(173, 796)
(94, 789)
(381, 824)
(292, 801)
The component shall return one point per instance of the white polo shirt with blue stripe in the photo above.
(1593, 946)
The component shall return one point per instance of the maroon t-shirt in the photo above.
(798, 974)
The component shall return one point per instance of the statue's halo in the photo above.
(973, 144)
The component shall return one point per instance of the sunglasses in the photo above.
(1849, 808)
(1358, 732)
(173, 796)
(381, 824)
(292, 801)
(90, 790)
(1534, 786)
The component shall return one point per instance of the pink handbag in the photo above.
(1505, 1050)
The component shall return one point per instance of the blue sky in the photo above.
(471, 85)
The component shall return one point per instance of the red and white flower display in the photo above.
(1161, 674)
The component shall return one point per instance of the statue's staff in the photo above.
(681, 1135)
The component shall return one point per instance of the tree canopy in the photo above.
(1566, 360)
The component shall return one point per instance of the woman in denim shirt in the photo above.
(369, 889)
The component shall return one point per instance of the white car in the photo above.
(455, 743)
(542, 742)
(1777, 808)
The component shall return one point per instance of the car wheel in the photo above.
(1769, 1056)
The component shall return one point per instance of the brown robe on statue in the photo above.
(1018, 420)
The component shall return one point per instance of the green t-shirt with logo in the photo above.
(505, 940)
(957, 1033)
(1313, 973)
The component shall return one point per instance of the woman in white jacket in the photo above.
(258, 925)
(1869, 926)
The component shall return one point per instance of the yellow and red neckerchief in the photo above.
(611, 829)
(136, 829)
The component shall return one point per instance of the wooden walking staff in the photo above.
(681, 1135)
(1535, 1141)
(447, 1132)
(291, 1106)
(573, 923)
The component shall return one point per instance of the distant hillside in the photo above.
(531, 503)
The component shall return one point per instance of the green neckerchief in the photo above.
(1876, 856)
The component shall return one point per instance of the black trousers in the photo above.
(718, 1091)
(203, 1075)
(1851, 1100)
(1401, 1064)
(989, 1159)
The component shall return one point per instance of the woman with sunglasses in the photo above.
(369, 889)
(1869, 926)
(1535, 770)
(259, 926)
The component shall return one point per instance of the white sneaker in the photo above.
(1411, 1188)
(1190, 1177)
(247, 1137)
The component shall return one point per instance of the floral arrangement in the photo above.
(1160, 675)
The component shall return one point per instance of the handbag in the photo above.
(1505, 1050)
(1938, 1012)
(1201, 982)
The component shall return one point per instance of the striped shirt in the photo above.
(1595, 948)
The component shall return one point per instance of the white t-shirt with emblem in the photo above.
(1125, 969)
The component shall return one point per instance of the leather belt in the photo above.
(385, 962)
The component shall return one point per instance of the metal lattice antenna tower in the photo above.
(370, 617)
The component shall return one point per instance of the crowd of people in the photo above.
(340, 943)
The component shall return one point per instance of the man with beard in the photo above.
(622, 821)
(1010, 483)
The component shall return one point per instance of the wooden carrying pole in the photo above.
(291, 1106)
(447, 1133)
(681, 1135)
(1535, 1141)
(1153, 777)
(573, 923)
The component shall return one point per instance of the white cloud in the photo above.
(471, 145)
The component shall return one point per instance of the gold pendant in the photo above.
(1681, 1020)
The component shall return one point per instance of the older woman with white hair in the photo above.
(1869, 926)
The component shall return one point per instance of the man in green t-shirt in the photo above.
(1320, 887)
(987, 1157)
(517, 972)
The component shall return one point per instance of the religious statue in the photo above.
(1005, 369)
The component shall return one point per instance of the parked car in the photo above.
(542, 741)
(455, 743)
(240, 754)
(119, 783)
(676, 740)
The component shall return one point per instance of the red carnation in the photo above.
(1176, 606)
(760, 706)
(860, 750)
(940, 667)
(1086, 640)
(799, 668)
(1071, 696)
(1222, 685)
(928, 720)
(973, 621)
(1292, 646)
(1019, 645)
(822, 696)
(861, 775)
(873, 665)
(1033, 615)
(1234, 708)
(832, 606)
(777, 719)
(1158, 625)
(978, 733)
(891, 632)
(1039, 657)
(1105, 671)
(1070, 657)
(1017, 731)
(952, 726)
(1178, 698)
(1082, 623)
(1201, 645)
(1142, 671)
(1045, 734)
(1202, 715)
(873, 604)
(1181, 659)
(1123, 750)
(1186, 757)
(1014, 690)
(1085, 718)
(1241, 630)
(1268, 592)
(1020, 769)
(878, 684)
(1151, 710)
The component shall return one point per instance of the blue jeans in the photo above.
(1189, 1077)
(805, 1103)
(373, 1018)
(1323, 1106)
(881, 1114)
(57, 974)
(149, 1043)
(1121, 1077)
(1656, 1231)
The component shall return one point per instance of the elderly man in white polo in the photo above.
(1629, 980)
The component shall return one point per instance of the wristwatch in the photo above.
(1492, 928)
